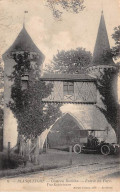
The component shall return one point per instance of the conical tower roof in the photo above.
(102, 54)
(24, 42)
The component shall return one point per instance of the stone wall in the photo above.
(10, 123)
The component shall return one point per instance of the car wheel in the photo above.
(77, 149)
(105, 150)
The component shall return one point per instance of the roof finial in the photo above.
(102, 6)
(25, 12)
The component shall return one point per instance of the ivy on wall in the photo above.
(33, 116)
(107, 86)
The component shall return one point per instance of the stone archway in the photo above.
(65, 132)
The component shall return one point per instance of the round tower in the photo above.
(104, 69)
(22, 49)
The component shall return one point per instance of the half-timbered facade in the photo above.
(79, 88)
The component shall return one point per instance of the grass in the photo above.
(24, 170)
(54, 159)
(15, 166)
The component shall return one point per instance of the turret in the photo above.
(104, 69)
(22, 49)
(102, 58)
(102, 52)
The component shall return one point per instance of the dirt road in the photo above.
(100, 174)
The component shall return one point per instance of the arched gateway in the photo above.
(65, 132)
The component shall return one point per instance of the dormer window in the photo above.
(24, 81)
(68, 88)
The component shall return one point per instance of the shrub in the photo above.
(11, 162)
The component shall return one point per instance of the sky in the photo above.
(50, 35)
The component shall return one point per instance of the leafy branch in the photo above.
(58, 6)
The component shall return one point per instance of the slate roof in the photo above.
(67, 77)
(23, 42)
(102, 45)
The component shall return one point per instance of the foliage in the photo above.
(58, 6)
(71, 61)
(11, 162)
(33, 116)
(105, 58)
(1, 130)
(106, 86)
(1, 85)
(116, 37)
(1, 106)
(116, 54)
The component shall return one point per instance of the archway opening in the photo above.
(65, 132)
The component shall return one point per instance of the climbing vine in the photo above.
(33, 116)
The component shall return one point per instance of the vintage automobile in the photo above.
(94, 145)
(78, 141)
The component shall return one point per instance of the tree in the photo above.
(106, 86)
(33, 116)
(58, 6)
(1, 85)
(1, 106)
(71, 61)
(116, 54)
(116, 37)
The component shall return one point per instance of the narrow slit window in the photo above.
(24, 79)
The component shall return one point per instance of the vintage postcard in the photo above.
(60, 95)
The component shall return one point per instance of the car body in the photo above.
(96, 147)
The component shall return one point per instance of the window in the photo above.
(24, 79)
(68, 88)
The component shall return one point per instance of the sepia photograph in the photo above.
(59, 95)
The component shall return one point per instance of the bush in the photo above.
(11, 162)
